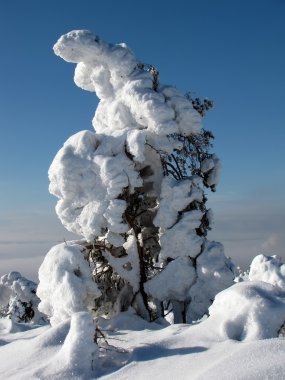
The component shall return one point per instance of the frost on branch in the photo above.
(135, 189)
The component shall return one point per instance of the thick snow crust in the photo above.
(174, 197)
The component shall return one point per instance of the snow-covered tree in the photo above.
(135, 188)
(18, 299)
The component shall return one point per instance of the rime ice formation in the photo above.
(140, 216)
(130, 118)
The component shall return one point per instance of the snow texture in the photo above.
(136, 122)
(175, 196)
(88, 174)
(237, 341)
(193, 280)
(66, 285)
(166, 286)
(214, 272)
(181, 239)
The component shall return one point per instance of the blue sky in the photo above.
(230, 51)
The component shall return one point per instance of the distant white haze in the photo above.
(245, 227)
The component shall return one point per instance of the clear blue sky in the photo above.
(232, 51)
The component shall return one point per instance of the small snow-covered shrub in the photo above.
(66, 286)
(254, 308)
(249, 310)
(18, 299)
(269, 269)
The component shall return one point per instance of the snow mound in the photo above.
(137, 349)
(75, 358)
(269, 269)
(66, 286)
(248, 311)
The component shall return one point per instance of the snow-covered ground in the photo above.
(139, 350)
(234, 342)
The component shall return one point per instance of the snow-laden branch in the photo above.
(134, 188)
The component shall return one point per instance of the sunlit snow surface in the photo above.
(138, 349)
